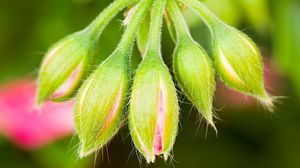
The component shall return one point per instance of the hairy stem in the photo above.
(205, 14)
(97, 26)
(154, 38)
(128, 37)
(178, 20)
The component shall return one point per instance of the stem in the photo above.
(205, 14)
(129, 35)
(102, 20)
(154, 37)
(182, 30)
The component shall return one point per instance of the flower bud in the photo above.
(64, 67)
(194, 72)
(66, 62)
(153, 115)
(238, 63)
(99, 104)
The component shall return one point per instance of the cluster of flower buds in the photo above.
(153, 116)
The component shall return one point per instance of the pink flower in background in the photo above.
(27, 126)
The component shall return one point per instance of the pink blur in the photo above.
(27, 126)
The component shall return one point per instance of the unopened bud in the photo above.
(194, 72)
(239, 63)
(99, 104)
(64, 66)
(153, 116)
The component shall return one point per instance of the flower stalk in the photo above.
(101, 21)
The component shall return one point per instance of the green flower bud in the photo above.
(194, 72)
(238, 63)
(193, 68)
(66, 62)
(99, 104)
(153, 115)
(64, 66)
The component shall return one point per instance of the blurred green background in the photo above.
(248, 135)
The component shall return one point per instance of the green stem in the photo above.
(154, 37)
(102, 20)
(181, 28)
(128, 37)
(206, 15)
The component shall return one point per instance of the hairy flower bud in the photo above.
(192, 67)
(238, 63)
(66, 62)
(99, 104)
(153, 115)
(194, 72)
(64, 67)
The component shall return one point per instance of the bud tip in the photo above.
(268, 102)
(85, 151)
(212, 124)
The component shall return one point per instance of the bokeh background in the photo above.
(248, 135)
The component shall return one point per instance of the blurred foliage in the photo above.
(248, 136)
(287, 39)
(59, 154)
